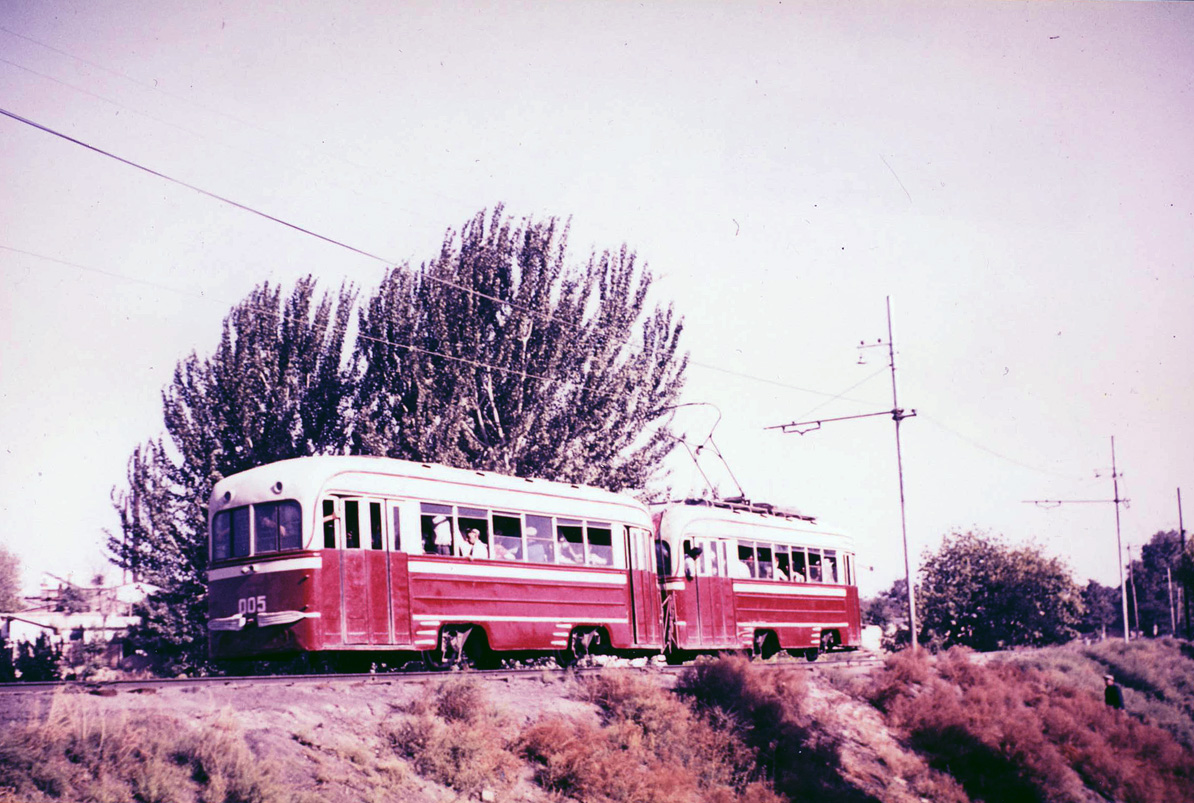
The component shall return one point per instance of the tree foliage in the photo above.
(1156, 572)
(497, 354)
(275, 388)
(979, 592)
(10, 580)
(544, 371)
(1101, 609)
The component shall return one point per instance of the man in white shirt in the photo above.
(473, 547)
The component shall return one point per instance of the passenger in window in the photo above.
(472, 547)
(691, 553)
(441, 539)
(567, 551)
(538, 549)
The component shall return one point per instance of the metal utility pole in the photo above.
(898, 415)
(1132, 583)
(1119, 548)
(1172, 609)
(1184, 584)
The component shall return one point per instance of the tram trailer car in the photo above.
(345, 554)
(755, 577)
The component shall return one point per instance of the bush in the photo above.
(762, 710)
(649, 746)
(1014, 732)
(39, 661)
(455, 738)
(83, 754)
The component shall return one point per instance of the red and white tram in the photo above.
(342, 554)
(367, 555)
(756, 577)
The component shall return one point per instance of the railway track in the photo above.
(842, 661)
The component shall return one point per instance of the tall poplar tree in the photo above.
(501, 355)
(276, 387)
(497, 354)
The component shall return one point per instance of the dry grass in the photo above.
(1014, 731)
(83, 753)
(456, 738)
(649, 746)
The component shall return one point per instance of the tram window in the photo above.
(329, 524)
(376, 541)
(783, 566)
(570, 541)
(814, 566)
(710, 565)
(290, 525)
(829, 566)
(265, 527)
(601, 544)
(221, 536)
(663, 558)
(396, 522)
(799, 565)
(437, 529)
(352, 524)
(766, 568)
(471, 518)
(240, 532)
(507, 536)
(746, 560)
(540, 540)
(277, 525)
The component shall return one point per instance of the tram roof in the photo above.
(305, 476)
(740, 520)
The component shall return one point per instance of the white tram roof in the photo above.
(307, 478)
(703, 519)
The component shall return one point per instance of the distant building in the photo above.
(68, 613)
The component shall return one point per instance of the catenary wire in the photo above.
(447, 283)
(264, 310)
(278, 220)
(211, 110)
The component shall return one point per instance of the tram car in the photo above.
(741, 576)
(366, 554)
(375, 557)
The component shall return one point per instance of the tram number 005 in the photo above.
(251, 605)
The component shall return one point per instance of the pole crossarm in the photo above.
(1059, 502)
(803, 427)
(897, 414)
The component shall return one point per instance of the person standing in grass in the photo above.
(1113, 695)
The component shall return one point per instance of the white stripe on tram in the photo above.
(792, 591)
(265, 567)
(523, 572)
(484, 617)
(818, 626)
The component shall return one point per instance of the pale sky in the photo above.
(1018, 177)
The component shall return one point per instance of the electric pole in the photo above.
(898, 415)
(1119, 549)
(1184, 580)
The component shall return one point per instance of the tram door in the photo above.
(714, 595)
(364, 579)
(644, 587)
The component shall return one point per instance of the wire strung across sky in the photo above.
(278, 220)
(447, 283)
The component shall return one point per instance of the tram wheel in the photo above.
(766, 644)
(461, 647)
(582, 643)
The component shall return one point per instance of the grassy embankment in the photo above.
(1021, 726)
